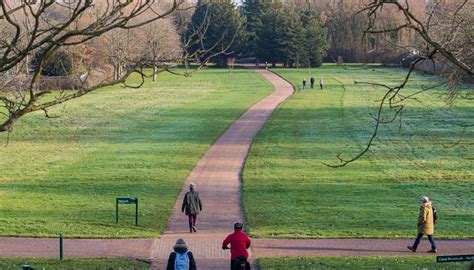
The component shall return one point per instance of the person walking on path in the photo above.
(321, 83)
(312, 82)
(239, 243)
(304, 83)
(192, 206)
(425, 225)
(181, 258)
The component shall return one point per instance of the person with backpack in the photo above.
(426, 221)
(239, 243)
(181, 258)
(191, 206)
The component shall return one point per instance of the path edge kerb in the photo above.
(286, 80)
(241, 175)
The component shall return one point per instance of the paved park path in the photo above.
(218, 179)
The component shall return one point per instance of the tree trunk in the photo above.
(221, 61)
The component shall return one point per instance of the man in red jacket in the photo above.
(239, 243)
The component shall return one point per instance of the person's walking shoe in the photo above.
(433, 251)
(411, 248)
(194, 229)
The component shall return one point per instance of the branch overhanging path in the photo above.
(218, 179)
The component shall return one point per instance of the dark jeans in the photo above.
(232, 265)
(418, 239)
(192, 221)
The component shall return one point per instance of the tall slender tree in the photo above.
(284, 31)
(254, 10)
(315, 38)
(293, 41)
(270, 35)
(220, 27)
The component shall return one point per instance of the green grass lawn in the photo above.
(289, 192)
(63, 174)
(73, 264)
(362, 263)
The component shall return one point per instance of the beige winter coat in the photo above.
(425, 219)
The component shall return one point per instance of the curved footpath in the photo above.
(218, 179)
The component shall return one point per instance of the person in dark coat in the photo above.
(192, 206)
(185, 257)
(312, 82)
(304, 83)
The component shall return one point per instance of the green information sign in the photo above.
(455, 258)
(126, 200)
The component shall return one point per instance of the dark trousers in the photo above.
(233, 265)
(321, 86)
(192, 221)
(418, 239)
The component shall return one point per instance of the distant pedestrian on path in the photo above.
(181, 258)
(425, 225)
(321, 83)
(312, 82)
(192, 206)
(304, 83)
(239, 243)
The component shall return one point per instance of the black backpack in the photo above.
(435, 215)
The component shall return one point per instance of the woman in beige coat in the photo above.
(425, 225)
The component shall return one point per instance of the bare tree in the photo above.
(445, 39)
(122, 47)
(162, 44)
(34, 28)
(43, 27)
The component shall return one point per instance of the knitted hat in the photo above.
(180, 244)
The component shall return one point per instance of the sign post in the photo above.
(61, 237)
(126, 200)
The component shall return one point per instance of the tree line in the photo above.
(99, 43)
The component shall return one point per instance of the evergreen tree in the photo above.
(220, 27)
(315, 39)
(293, 41)
(271, 34)
(254, 10)
(283, 31)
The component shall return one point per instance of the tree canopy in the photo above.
(219, 25)
(284, 32)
